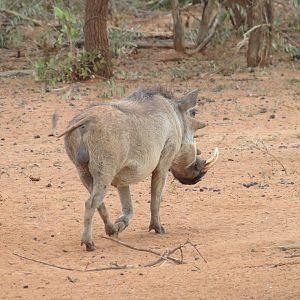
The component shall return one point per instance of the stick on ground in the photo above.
(166, 256)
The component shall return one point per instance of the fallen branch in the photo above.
(170, 252)
(146, 250)
(166, 256)
(47, 264)
(16, 73)
(275, 265)
(163, 42)
(16, 14)
(197, 250)
(160, 45)
(144, 34)
(293, 255)
(289, 247)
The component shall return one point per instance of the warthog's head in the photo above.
(188, 167)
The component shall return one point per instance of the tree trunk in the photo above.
(95, 34)
(207, 17)
(260, 41)
(177, 27)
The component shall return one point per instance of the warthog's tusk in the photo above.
(212, 160)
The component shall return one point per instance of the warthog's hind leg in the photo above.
(123, 221)
(157, 185)
(95, 201)
(87, 180)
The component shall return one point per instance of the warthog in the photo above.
(121, 143)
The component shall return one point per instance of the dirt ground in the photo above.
(239, 215)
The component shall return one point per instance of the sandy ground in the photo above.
(239, 214)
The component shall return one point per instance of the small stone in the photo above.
(263, 110)
(34, 238)
(249, 184)
(272, 116)
(32, 178)
(73, 280)
(37, 136)
(25, 286)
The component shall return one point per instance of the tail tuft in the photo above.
(54, 124)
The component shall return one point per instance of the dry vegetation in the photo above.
(240, 223)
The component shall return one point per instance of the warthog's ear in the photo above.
(188, 101)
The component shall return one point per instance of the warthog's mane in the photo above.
(148, 92)
(143, 94)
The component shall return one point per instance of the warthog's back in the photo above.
(125, 138)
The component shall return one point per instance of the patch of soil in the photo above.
(238, 215)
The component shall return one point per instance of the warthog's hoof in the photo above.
(158, 228)
(111, 230)
(121, 223)
(90, 246)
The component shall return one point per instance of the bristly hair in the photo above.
(146, 92)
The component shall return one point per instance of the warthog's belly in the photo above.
(135, 172)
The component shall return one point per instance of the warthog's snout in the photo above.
(195, 171)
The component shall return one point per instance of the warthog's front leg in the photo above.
(157, 185)
(110, 228)
(123, 221)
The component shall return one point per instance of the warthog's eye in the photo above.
(193, 112)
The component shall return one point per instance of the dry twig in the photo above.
(16, 14)
(47, 264)
(166, 256)
(265, 150)
(293, 255)
(275, 265)
(146, 250)
(289, 247)
(16, 73)
(211, 33)
(245, 39)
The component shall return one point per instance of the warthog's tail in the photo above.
(77, 124)
(54, 123)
